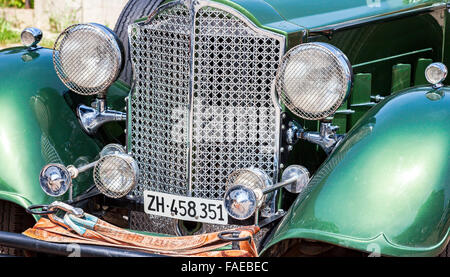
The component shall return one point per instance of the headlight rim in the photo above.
(36, 34)
(117, 46)
(254, 186)
(251, 192)
(342, 60)
(442, 69)
(259, 175)
(68, 181)
(290, 172)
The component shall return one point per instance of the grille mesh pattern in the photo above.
(229, 123)
(234, 115)
(160, 103)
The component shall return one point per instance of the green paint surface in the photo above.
(320, 13)
(37, 127)
(401, 77)
(387, 183)
(419, 75)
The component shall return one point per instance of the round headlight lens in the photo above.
(436, 73)
(116, 175)
(88, 58)
(55, 179)
(240, 202)
(314, 79)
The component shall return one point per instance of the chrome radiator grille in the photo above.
(160, 104)
(203, 103)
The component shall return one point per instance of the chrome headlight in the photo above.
(436, 73)
(88, 58)
(116, 175)
(55, 179)
(30, 37)
(240, 202)
(314, 79)
(245, 192)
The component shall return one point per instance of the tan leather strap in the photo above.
(106, 234)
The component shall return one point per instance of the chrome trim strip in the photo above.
(194, 10)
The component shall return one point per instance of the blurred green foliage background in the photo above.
(29, 4)
(7, 35)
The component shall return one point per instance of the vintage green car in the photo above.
(326, 123)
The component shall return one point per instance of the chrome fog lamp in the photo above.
(88, 58)
(314, 79)
(240, 202)
(55, 179)
(300, 175)
(116, 175)
(245, 192)
(436, 73)
(30, 37)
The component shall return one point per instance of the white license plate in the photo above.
(185, 208)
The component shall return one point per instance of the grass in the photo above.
(8, 35)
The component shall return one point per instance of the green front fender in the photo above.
(37, 126)
(386, 187)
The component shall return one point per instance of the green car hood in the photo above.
(287, 16)
(386, 187)
(319, 13)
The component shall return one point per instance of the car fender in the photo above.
(37, 126)
(386, 186)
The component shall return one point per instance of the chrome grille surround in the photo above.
(204, 102)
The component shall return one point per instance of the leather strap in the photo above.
(91, 230)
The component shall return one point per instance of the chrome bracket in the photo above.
(276, 216)
(377, 98)
(92, 118)
(325, 138)
(293, 133)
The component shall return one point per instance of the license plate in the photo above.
(185, 208)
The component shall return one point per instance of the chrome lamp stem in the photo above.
(327, 138)
(92, 118)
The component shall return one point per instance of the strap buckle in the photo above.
(39, 210)
(233, 236)
(65, 207)
(58, 205)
